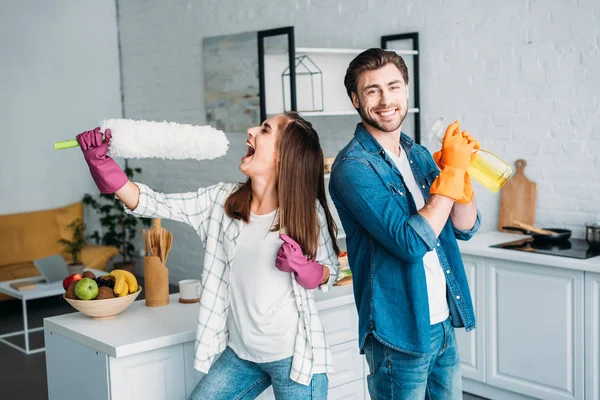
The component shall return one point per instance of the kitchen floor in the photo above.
(24, 377)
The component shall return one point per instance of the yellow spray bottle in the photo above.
(486, 168)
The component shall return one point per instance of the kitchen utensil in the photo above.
(592, 233)
(517, 200)
(167, 140)
(154, 236)
(558, 235)
(169, 244)
(163, 245)
(486, 167)
(532, 228)
(145, 236)
(156, 277)
(154, 248)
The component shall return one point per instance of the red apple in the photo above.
(71, 278)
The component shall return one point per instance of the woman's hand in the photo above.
(290, 258)
(107, 174)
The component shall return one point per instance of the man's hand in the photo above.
(454, 161)
(468, 187)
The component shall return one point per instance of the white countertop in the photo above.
(480, 244)
(140, 328)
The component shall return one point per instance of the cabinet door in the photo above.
(535, 330)
(192, 377)
(471, 345)
(348, 364)
(349, 391)
(341, 324)
(592, 336)
(157, 374)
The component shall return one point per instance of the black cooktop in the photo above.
(573, 248)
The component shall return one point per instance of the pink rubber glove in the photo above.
(107, 174)
(291, 259)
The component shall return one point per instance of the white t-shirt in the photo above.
(434, 273)
(263, 317)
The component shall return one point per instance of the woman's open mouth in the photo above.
(250, 151)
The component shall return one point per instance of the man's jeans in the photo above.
(231, 378)
(401, 376)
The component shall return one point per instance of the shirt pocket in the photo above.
(400, 194)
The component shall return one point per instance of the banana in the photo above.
(129, 278)
(120, 288)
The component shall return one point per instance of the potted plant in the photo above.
(74, 246)
(118, 228)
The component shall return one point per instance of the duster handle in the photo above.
(66, 144)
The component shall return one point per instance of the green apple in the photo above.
(86, 289)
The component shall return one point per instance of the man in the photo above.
(402, 216)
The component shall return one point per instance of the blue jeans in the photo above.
(398, 375)
(231, 378)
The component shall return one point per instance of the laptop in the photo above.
(53, 268)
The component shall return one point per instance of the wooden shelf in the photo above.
(341, 113)
(316, 50)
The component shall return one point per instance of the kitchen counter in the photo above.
(148, 352)
(480, 244)
(139, 328)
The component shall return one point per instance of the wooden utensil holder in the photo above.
(156, 277)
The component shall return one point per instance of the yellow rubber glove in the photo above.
(468, 188)
(457, 151)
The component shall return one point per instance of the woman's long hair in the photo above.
(300, 183)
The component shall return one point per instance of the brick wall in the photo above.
(522, 76)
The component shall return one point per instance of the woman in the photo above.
(268, 243)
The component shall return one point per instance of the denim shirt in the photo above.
(387, 239)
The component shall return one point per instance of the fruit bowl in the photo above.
(104, 309)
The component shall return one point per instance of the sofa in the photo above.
(28, 236)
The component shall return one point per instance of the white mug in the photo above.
(189, 291)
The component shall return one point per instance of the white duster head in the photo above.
(168, 140)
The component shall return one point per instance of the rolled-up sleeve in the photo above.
(466, 234)
(326, 255)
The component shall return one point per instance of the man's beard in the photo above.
(390, 126)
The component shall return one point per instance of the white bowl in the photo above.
(104, 309)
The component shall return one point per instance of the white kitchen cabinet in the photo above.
(152, 355)
(535, 326)
(471, 345)
(350, 391)
(540, 323)
(153, 375)
(592, 336)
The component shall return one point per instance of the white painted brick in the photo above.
(523, 77)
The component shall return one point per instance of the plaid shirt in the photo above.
(203, 210)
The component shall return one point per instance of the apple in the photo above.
(86, 289)
(71, 278)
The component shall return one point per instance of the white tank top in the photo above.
(263, 317)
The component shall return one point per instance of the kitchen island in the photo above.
(148, 353)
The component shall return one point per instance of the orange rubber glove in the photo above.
(454, 161)
(468, 189)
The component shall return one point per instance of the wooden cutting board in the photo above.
(517, 201)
